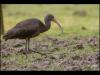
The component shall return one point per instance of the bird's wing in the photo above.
(24, 28)
(28, 27)
(29, 23)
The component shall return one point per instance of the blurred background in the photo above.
(76, 19)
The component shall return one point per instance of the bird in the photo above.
(29, 28)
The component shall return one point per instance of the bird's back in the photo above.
(24, 29)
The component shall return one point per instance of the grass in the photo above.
(64, 13)
(72, 25)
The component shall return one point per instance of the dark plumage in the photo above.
(30, 28)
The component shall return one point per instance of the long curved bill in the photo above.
(58, 25)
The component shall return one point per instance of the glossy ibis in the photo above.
(30, 28)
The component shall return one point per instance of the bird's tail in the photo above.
(5, 37)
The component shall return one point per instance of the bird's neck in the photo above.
(47, 24)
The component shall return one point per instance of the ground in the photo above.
(76, 49)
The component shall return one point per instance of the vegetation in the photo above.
(76, 49)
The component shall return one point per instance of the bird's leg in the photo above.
(26, 50)
(36, 45)
(28, 41)
(26, 47)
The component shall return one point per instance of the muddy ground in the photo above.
(73, 54)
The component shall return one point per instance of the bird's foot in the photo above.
(29, 51)
(24, 51)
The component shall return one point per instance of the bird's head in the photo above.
(50, 17)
